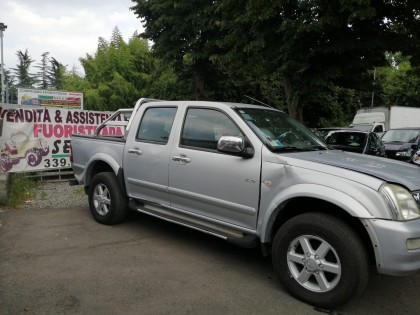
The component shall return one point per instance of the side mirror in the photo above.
(234, 145)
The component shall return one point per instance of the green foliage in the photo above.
(312, 58)
(21, 189)
(184, 36)
(21, 72)
(55, 74)
(44, 69)
(312, 44)
(117, 74)
(398, 83)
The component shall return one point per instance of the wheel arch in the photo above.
(299, 205)
(101, 166)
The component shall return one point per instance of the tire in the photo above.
(106, 200)
(33, 157)
(320, 260)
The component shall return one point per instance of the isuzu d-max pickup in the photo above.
(254, 176)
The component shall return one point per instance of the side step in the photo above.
(168, 214)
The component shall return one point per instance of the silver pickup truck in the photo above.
(256, 177)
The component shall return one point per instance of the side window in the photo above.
(374, 141)
(156, 125)
(378, 129)
(378, 140)
(204, 127)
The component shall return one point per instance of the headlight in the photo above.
(401, 202)
(404, 153)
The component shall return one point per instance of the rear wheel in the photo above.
(320, 260)
(106, 200)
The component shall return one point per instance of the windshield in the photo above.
(280, 132)
(362, 127)
(401, 135)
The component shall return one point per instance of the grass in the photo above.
(43, 195)
(21, 189)
(80, 191)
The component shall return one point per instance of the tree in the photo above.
(118, 73)
(55, 74)
(184, 37)
(21, 73)
(313, 43)
(44, 69)
(11, 92)
(397, 83)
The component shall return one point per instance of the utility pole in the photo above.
(3, 89)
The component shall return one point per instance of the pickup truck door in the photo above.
(215, 185)
(146, 154)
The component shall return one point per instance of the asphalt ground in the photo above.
(60, 261)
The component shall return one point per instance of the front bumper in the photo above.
(391, 242)
(397, 155)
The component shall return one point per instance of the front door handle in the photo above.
(135, 151)
(181, 159)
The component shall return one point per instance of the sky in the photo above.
(66, 29)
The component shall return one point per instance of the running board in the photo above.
(231, 235)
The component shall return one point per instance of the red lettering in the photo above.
(81, 130)
(49, 133)
(90, 129)
(37, 129)
(68, 131)
(58, 131)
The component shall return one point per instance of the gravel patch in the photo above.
(57, 195)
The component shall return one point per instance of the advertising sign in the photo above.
(35, 97)
(39, 138)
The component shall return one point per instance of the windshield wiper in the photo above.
(393, 141)
(288, 148)
(300, 149)
(317, 148)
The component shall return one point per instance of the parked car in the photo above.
(323, 132)
(416, 158)
(402, 143)
(358, 141)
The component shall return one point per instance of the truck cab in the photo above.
(372, 121)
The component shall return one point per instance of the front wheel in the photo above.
(106, 200)
(320, 260)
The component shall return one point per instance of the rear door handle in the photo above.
(135, 151)
(181, 159)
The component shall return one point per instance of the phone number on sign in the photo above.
(55, 162)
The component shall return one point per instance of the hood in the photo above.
(388, 170)
(398, 146)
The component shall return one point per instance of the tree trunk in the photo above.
(199, 86)
(291, 98)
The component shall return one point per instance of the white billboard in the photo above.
(38, 138)
(36, 97)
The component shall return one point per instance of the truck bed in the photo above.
(86, 148)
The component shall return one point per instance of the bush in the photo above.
(21, 189)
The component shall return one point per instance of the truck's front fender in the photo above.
(333, 196)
